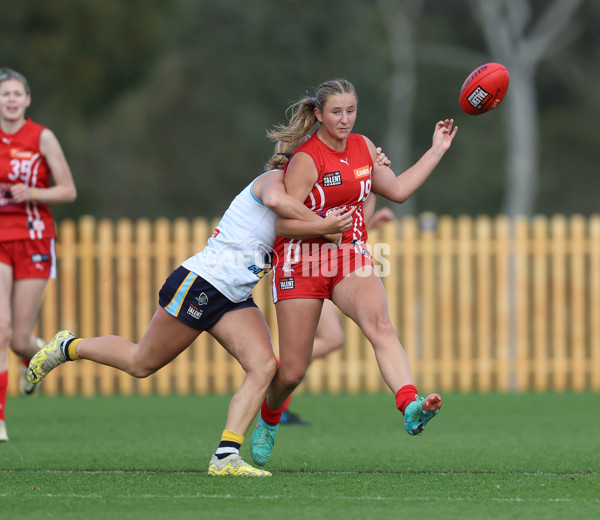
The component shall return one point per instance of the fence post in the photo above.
(521, 302)
(483, 308)
(505, 286)
(447, 303)
(594, 312)
(577, 339)
(540, 302)
(558, 343)
(465, 304)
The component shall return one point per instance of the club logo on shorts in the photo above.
(36, 225)
(286, 283)
(202, 299)
(332, 179)
(38, 257)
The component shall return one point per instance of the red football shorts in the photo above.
(314, 269)
(30, 258)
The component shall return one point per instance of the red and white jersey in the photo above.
(344, 181)
(21, 162)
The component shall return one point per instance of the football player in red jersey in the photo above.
(30, 158)
(329, 335)
(334, 168)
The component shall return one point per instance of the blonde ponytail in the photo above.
(302, 121)
(300, 124)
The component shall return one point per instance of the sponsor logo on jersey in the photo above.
(215, 233)
(19, 153)
(479, 97)
(286, 283)
(363, 171)
(332, 179)
(345, 161)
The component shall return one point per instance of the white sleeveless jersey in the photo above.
(239, 252)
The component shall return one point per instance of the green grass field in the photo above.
(485, 456)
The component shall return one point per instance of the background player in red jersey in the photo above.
(335, 168)
(30, 157)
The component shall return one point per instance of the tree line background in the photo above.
(162, 106)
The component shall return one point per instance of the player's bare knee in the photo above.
(292, 378)
(19, 346)
(262, 370)
(378, 326)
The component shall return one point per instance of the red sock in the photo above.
(272, 417)
(405, 396)
(286, 405)
(3, 390)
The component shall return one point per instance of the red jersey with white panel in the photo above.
(344, 181)
(21, 162)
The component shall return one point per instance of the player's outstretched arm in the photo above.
(400, 188)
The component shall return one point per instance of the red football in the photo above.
(484, 89)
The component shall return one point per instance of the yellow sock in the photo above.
(72, 354)
(230, 444)
(228, 435)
